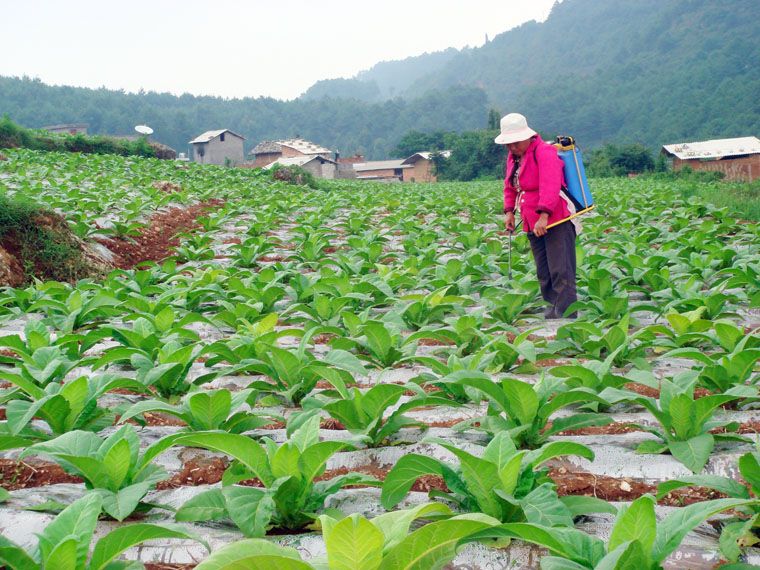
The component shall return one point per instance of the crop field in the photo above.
(348, 377)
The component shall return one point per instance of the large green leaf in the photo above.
(240, 447)
(500, 450)
(543, 507)
(119, 540)
(636, 522)
(313, 460)
(481, 478)
(553, 449)
(354, 543)
(628, 556)
(523, 401)
(79, 520)
(749, 467)
(63, 556)
(210, 409)
(251, 509)
(569, 543)
(403, 475)
(208, 506)
(116, 464)
(431, 546)
(123, 503)
(15, 557)
(694, 452)
(730, 487)
(672, 530)
(254, 554)
(395, 525)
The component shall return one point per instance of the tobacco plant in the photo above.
(290, 496)
(374, 415)
(638, 540)
(112, 468)
(686, 423)
(356, 543)
(742, 530)
(64, 407)
(503, 483)
(67, 542)
(523, 410)
(208, 410)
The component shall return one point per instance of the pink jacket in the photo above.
(541, 177)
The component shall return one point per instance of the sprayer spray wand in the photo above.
(511, 233)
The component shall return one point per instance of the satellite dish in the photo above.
(144, 129)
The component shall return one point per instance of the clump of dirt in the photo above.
(167, 187)
(331, 424)
(155, 419)
(614, 428)
(322, 338)
(624, 489)
(201, 471)
(642, 390)
(434, 342)
(156, 240)
(37, 243)
(21, 475)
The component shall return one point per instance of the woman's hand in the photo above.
(509, 221)
(539, 229)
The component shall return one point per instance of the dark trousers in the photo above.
(554, 254)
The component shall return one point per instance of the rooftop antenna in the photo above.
(144, 130)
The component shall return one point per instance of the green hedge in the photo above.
(14, 136)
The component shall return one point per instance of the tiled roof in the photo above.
(714, 148)
(297, 161)
(426, 155)
(209, 135)
(380, 165)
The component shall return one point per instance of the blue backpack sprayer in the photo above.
(576, 187)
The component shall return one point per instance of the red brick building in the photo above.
(738, 159)
(267, 152)
(422, 167)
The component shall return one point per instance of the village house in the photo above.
(421, 166)
(738, 159)
(267, 152)
(68, 129)
(221, 147)
(381, 170)
(317, 165)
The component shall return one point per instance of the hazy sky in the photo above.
(236, 48)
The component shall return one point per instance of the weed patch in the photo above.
(38, 243)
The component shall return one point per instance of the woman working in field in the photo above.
(534, 177)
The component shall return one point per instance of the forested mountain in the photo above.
(649, 71)
(348, 125)
(384, 80)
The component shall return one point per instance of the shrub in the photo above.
(293, 175)
(40, 240)
(12, 136)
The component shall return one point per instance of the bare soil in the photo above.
(156, 240)
(22, 475)
(625, 489)
(201, 471)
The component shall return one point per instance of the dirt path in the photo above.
(155, 242)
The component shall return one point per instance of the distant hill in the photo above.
(384, 80)
(348, 125)
(650, 71)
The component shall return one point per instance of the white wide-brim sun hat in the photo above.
(514, 128)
